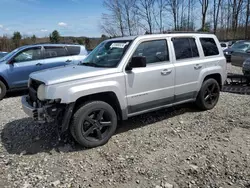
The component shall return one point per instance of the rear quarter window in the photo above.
(209, 46)
(73, 50)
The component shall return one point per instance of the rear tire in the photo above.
(93, 124)
(208, 95)
(3, 90)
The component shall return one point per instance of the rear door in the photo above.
(23, 64)
(237, 57)
(55, 56)
(75, 53)
(188, 67)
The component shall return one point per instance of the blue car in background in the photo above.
(16, 66)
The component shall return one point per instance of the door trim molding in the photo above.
(161, 102)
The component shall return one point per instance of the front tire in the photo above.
(208, 95)
(93, 124)
(3, 90)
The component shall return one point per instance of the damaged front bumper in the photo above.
(36, 113)
(48, 113)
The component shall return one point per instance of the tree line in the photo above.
(228, 19)
(17, 39)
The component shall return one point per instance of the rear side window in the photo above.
(54, 51)
(209, 46)
(185, 48)
(154, 51)
(73, 50)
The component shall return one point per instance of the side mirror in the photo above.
(248, 51)
(11, 62)
(137, 62)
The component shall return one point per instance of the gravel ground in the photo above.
(176, 147)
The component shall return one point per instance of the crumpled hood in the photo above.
(69, 73)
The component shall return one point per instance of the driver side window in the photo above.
(154, 51)
(30, 54)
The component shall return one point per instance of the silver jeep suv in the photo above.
(124, 77)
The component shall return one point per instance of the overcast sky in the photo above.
(41, 17)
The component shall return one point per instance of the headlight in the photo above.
(226, 53)
(41, 92)
(29, 82)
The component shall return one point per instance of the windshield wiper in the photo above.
(88, 64)
(91, 64)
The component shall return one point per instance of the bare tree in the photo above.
(174, 9)
(189, 12)
(237, 5)
(216, 9)
(204, 5)
(247, 18)
(129, 14)
(109, 25)
(145, 9)
(114, 6)
(159, 14)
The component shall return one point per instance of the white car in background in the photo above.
(224, 45)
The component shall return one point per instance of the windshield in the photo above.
(9, 55)
(107, 54)
(240, 46)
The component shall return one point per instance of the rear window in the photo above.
(209, 46)
(52, 52)
(73, 50)
(185, 48)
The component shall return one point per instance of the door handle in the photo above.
(39, 64)
(197, 66)
(68, 61)
(166, 71)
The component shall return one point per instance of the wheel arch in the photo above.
(4, 81)
(215, 76)
(108, 97)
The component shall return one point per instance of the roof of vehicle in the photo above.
(48, 44)
(163, 35)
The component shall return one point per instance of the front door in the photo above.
(23, 64)
(151, 86)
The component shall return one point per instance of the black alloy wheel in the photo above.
(208, 95)
(93, 124)
(96, 125)
(211, 94)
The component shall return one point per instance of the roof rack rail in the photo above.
(200, 32)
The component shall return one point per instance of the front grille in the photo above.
(32, 95)
(35, 84)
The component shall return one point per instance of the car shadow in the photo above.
(16, 93)
(26, 137)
